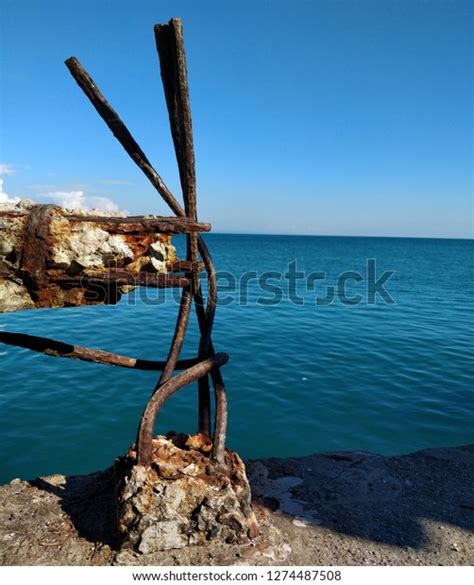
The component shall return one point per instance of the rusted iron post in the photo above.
(170, 46)
(50, 282)
(143, 256)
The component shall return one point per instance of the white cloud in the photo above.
(103, 203)
(4, 197)
(74, 199)
(79, 200)
(6, 169)
(69, 199)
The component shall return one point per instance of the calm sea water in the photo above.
(388, 378)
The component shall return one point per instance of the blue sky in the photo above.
(322, 117)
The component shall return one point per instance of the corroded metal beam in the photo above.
(170, 45)
(121, 278)
(172, 55)
(54, 257)
(55, 348)
(144, 224)
(120, 131)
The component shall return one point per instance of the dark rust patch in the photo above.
(37, 244)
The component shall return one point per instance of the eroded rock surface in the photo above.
(45, 262)
(183, 498)
(346, 508)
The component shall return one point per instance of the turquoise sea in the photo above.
(302, 377)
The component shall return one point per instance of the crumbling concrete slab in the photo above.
(48, 255)
(350, 508)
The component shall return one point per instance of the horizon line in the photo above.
(231, 233)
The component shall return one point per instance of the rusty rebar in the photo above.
(56, 348)
(178, 338)
(147, 422)
(170, 46)
(172, 56)
(220, 424)
(120, 131)
(143, 224)
(122, 277)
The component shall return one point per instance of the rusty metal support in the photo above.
(145, 431)
(178, 338)
(122, 278)
(120, 131)
(140, 224)
(170, 46)
(220, 424)
(56, 348)
(50, 283)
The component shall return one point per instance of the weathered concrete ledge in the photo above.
(56, 257)
(345, 508)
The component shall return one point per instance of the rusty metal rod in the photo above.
(172, 57)
(56, 348)
(184, 266)
(176, 344)
(121, 132)
(145, 431)
(173, 73)
(185, 158)
(122, 277)
(220, 423)
(170, 46)
(144, 224)
(178, 338)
